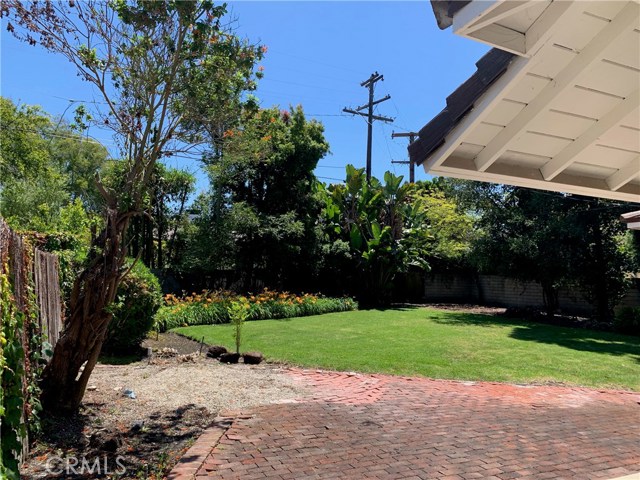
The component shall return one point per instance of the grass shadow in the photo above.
(394, 307)
(580, 339)
(475, 319)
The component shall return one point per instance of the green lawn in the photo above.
(440, 344)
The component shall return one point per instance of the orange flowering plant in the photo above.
(212, 307)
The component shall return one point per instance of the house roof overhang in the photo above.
(554, 105)
(632, 219)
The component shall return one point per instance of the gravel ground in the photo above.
(176, 398)
(170, 384)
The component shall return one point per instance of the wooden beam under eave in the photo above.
(624, 175)
(471, 13)
(633, 226)
(502, 37)
(627, 18)
(568, 154)
(541, 30)
(529, 177)
(504, 10)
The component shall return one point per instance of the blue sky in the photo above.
(318, 53)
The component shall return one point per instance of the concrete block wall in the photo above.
(507, 292)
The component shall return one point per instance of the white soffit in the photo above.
(565, 115)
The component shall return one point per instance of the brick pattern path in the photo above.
(385, 427)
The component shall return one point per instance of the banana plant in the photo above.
(380, 226)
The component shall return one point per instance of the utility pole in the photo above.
(370, 83)
(412, 136)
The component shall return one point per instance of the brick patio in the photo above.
(386, 427)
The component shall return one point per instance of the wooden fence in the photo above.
(31, 272)
(38, 267)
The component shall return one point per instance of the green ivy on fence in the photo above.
(12, 428)
(21, 349)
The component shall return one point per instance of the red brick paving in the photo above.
(385, 427)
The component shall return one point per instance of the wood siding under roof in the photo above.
(566, 119)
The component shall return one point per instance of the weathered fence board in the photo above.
(25, 265)
(47, 283)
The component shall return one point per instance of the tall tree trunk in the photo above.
(603, 312)
(174, 235)
(550, 298)
(149, 254)
(135, 237)
(160, 219)
(65, 377)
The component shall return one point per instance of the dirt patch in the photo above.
(466, 308)
(174, 401)
(182, 344)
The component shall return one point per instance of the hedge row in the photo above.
(209, 308)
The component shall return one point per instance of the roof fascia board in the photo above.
(530, 178)
(564, 80)
(504, 10)
(473, 12)
(624, 175)
(568, 154)
(630, 216)
(494, 95)
(486, 30)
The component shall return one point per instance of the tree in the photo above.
(23, 148)
(47, 166)
(452, 231)
(165, 213)
(384, 231)
(551, 238)
(262, 207)
(526, 236)
(600, 264)
(144, 59)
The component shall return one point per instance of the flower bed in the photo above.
(208, 308)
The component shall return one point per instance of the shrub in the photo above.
(210, 308)
(138, 299)
(627, 321)
(238, 313)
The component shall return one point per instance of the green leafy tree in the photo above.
(144, 60)
(452, 231)
(526, 237)
(553, 239)
(23, 145)
(263, 201)
(48, 166)
(238, 312)
(155, 236)
(601, 264)
(384, 231)
(78, 160)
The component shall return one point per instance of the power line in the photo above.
(341, 180)
(330, 166)
(314, 74)
(307, 59)
(303, 85)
